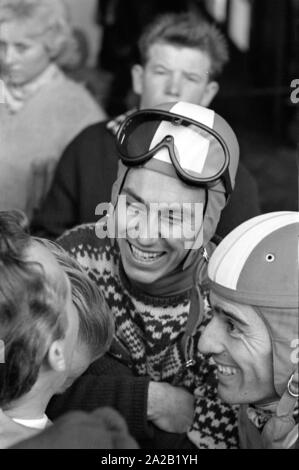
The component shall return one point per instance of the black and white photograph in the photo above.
(149, 229)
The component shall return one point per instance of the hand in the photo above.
(170, 408)
(102, 429)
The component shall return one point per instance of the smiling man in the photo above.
(176, 155)
(181, 59)
(254, 330)
(146, 254)
(247, 370)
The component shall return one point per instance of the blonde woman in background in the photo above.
(42, 109)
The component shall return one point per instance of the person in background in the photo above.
(42, 110)
(181, 58)
(253, 334)
(53, 324)
(119, 39)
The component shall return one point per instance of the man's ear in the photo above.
(210, 92)
(137, 72)
(56, 357)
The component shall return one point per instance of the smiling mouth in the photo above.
(145, 256)
(224, 369)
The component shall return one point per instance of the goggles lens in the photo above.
(197, 152)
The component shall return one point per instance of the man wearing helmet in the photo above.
(181, 58)
(253, 334)
(184, 157)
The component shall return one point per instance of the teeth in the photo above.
(226, 370)
(141, 255)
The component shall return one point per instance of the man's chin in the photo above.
(227, 397)
(142, 275)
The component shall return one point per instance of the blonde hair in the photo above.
(51, 17)
(96, 321)
(32, 309)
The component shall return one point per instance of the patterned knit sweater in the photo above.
(149, 332)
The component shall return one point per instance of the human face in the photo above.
(22, 54)
(158, 246)
(240, 344)
(174, 73)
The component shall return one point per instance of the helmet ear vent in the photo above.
(270, 257)
(177, 121)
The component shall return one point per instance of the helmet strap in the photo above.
(190, 256)
(116, 190)
(290, 397)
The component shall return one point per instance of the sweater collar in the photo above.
(15, 97)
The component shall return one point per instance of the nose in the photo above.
(149, 228)
(211, 340)
(10, 55)
(173, 85)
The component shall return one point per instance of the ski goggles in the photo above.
(167, 141)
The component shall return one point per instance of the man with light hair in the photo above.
(42, 109)
(53, 324)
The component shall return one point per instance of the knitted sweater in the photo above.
(34, 138)
(149, 332)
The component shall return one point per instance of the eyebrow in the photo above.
(194, 74)
(230, 315)
(131, 193)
